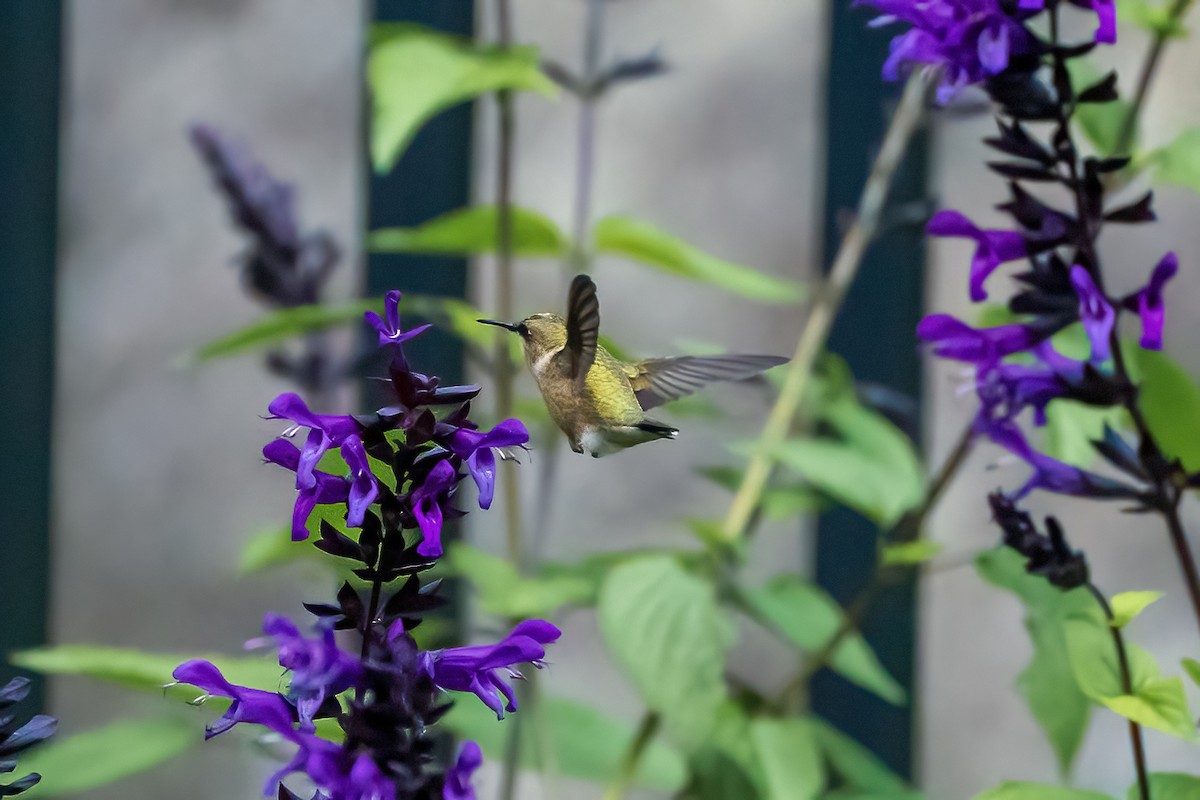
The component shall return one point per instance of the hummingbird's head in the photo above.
(540, 333)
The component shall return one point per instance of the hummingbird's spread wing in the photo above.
(583, 327)
(661, 380)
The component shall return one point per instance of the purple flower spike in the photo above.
(992, 247)
(477, 449)
(389, 326)
(427, 500)
(1149, 302)
(1095, 312)
(473, 669)
(319, 668)
(325, 431)
(458, 777)
(249, 705)
(326, 488)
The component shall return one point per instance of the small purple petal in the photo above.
(458, 776)
(1150, 305)
(1095, 312)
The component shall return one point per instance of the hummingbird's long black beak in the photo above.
(508, 326)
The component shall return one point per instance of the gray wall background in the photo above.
(162, 480)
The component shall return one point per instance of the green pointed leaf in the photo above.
(1048, 683)
(909, 554)
(1023, 790)
(1170, 400)
(807, 616)
(1072, 427)
(472, 231)
(1169, 786)
(506, 594)
(668, 634)
(1192, 667)
(97, 758)
(282, 325)
(1127, 605)
(858, 767)
(643, 242)
(791, 762)
(415, 73)
(1158, 703)
(1178, 164)
(137, 669)
(584, 742)
(1154, 17)
(274, 547)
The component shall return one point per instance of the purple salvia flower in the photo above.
(1051, 474)
(1149, 302)
(474, 669)
(319, 668)
(458, 776)
(363, 488)
(477, 448)
(992, 247)
(1095, 312)
(427, 500)
(325, 431)
(389, 326)
(249, 705)
(325, 489)
(1005, 389)
(954, 339)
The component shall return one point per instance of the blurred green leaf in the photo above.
(909, 553)
(506, 594)
(1169, 786)
(140, 670)
(1048, 683)
(727, 765)
(666, 631)
(778, 501)
(99, 757)
(808, 617)
(643, 242)
(1023, 790)
(1072, 427)
(1127, 605)
(416, 73)
(279, 326)
(791, 762)
(1153, 17)
(274, 547)
(858, 767)
(472, 231)
(1170, 400)
(1100, 122)
(584, 742)
(1178, 163)
(1192, 667)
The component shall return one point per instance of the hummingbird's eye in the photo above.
(523, 330)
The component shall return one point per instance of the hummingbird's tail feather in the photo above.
(661, 380)
(657, 428)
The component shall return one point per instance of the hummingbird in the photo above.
(598, 401)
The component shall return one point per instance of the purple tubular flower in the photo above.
(1054, 475)
(954, 339)
(458, 777)
(325, 431)
(249, 705)
(389, 326)
(363, 489)
(992, 247)
(474, 669)
(319, 668)
(427, 500)
(1095, 312)
(1149, 302)
(477, 449)
(326, 488)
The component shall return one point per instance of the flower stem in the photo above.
(905, 121)
(1149, 67)
(629, 764)
(1135, 730)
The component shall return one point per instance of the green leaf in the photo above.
(807, 616)
(100, 757)
(727, 765)
(416, 73)
(282, 325)
(1178, 163)
(643, 242)
(584, 742)
(909, 553)
(1072, 427)
(274, 547)
(872, 468)
(1192, 667)
(1023, 790)
(1171, 404)
(1158, 703)
(1154, 17)
(1127, 605)
(137, 669)
(506, 594)
(857, 766)
(791, 763)
(1048, 683)
(1169, 786)
(472, 231)
(666, 631)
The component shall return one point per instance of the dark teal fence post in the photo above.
(875, 334)
(29, 97)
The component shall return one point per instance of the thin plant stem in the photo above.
(905, 121)
(633, 756)
(1135, 730)
(1149, 68)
